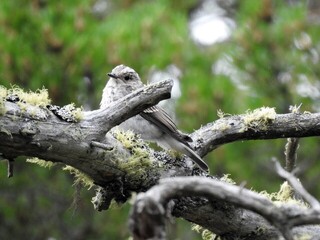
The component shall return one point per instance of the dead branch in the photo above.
(151, 207)
(37, 132)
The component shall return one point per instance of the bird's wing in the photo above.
(161, 119)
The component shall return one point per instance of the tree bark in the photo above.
(88, 146)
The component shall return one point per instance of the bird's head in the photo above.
(124, 75)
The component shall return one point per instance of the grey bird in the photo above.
(153, 124)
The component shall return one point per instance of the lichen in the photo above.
(284, 196)
(140, 158)
(222, 114)
(75, 113)
(80, 177)
(3, 92)
(38, 98)
(226, 178)
(258, 118)
(205, 233)
(40, 162)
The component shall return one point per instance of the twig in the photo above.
(10, 168)
(291, 153)
(104, 146)
(292, 145)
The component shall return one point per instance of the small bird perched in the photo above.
(152, 124)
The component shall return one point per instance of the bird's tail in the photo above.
(195, 158)
(182, 146)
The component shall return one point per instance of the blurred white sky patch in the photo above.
(209, 25)
(307, 89)
(225, 66)
(170, 72)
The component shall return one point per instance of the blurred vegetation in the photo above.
(68, 47)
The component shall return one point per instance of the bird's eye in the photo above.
(127, 77)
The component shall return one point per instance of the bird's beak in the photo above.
(112, 75)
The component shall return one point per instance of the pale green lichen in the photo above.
(75, 112)
(221, 126)
(226, 178)
(222, 114)
(80, 177)
(205, 233)
(38, 98)
(258, 118)
(3, 92)
(284, 196)
(304, 236)
(140, 158)
(295, 109)
(40, 162)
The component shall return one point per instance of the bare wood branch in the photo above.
(292, 146)
(37, 132)
(234, 128)
(291, 153)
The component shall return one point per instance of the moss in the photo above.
(40, 162)
(80, 177)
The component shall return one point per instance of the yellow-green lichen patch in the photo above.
(284, 196)
(259, 118)
(40, 162)
(3, 92)
(38, 98)
(140, 157)
(80, 177)
(222, 114)
(226, 178)
(74, 113)
(205, 233)
(221, 125)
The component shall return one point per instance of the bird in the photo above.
(153, 124)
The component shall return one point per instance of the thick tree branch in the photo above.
(37, 132)
(111, 164)
(150, 207)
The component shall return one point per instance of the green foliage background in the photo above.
(274, 52)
